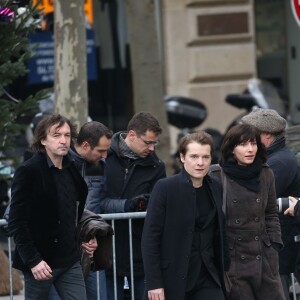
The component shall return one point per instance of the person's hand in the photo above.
(90, 247)
(42, 271)
(137, 203)
(157, 294)
(291, 210)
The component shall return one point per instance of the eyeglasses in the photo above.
(150, 143)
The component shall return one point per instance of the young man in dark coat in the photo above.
(132, 169)
(184, 245)
(287, 183)
(48, 198)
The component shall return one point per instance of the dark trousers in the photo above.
(205, 294)
(286, 282)
(139, 287)
(68, 282)
(91, 287)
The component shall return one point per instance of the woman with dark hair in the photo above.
(183, 246)
(253, 229)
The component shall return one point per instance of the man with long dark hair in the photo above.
(48, 198)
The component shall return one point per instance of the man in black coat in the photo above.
(132, 169)
(48, 198)
(184, 247)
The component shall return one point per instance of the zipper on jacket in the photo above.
(126, 173)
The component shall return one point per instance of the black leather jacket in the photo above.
(92, 225)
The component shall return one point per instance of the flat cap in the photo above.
(266, 120)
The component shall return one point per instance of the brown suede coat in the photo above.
(253, 232)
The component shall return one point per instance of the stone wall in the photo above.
(209, 52)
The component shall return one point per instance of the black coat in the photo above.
(287, 183)
(34, 218)
(168, 234)
(126, 179)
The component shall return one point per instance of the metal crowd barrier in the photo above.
(108, 217)
(129, 217)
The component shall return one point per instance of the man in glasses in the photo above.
(132, 169)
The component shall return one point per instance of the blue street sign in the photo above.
(41, 66)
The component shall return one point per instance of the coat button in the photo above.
(256, 219)
(258, 200)
(55, 240)
(234, 200)
(237, 221)
(183, 277)
(256, 238)
(239, 238)
(258, 257)
(243, 257)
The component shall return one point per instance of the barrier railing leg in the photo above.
(114, 261)
(98, 285)
(10, 270)
(293, 286)
(131, 259)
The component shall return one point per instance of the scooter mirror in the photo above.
(185, 112)
(243, 101)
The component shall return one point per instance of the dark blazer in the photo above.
(168, 234)
(33, 219)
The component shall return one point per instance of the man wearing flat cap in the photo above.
(287, 182)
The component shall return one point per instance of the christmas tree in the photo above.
(16, 23)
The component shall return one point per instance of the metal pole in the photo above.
(293, 286)
(131, 259)
(114, 260)
(10, 270)
(123, 216)
(98, 286)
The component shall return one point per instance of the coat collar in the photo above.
(187, 178)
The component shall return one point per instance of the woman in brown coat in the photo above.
(252, 224)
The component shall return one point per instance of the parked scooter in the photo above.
(258, 94)
(187, 113)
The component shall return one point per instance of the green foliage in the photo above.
(14, 43)
(14, 53)
(9, 114)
